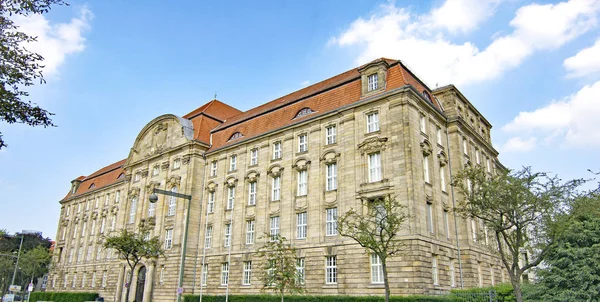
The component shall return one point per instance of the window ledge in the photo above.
(231, 171)
(275, 159)
(376, 285)
(335, 285)
(373, 133)
(302, 152)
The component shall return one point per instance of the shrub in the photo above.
(504, 293)
(301, 298)
(62, 297)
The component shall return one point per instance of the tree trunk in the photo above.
(518, 291)
(385, 279)
(281, 296)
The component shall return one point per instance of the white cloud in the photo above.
(573, 120)
(305, 83)
(421, 41)
(585, 62)
(55, 41)
(517, 144)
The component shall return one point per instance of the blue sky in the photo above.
(532, 68)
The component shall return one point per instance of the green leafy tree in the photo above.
(19, 67)
(525, 211)
(133, 247)
(34, 263)
(376, 227)
(279, 273)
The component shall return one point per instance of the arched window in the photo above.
(121, 176)
(304, 111)
(172, 202)
(236, 135)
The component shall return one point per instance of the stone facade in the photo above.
(284, 175)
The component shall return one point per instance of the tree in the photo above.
(376, 228)
(525, 211)
(35, 262)
(279, 269)
(19, 67)
(133, 247)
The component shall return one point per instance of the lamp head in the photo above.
(153, 198)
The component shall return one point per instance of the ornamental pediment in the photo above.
(160, 135)
(372, 144)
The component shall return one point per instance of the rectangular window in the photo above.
(426, 169)
(117, 196)
(96, 204)
(208, 237)
(204, 274)
(274, 227)
(492, 277)
(224, 273)
(302, 185)
(252, 193)
(474, 230)
(247, 272)
(374, 167)
(331, 270)
(438, 135)
(477, 158)
(230, 197)
(113, 223)
(155, 170)
(301, 225)
(277, 150)
(88, 256)
(330, 135)
(429, 218)
(372, 82)
(452, 272)
(213, 168)
(99, 253)
(331, 222)
(83, 228)
(177, 164)
(480, 275)
(75, 231)
(83, 280)
(93, 280)
(376, 269)
(372, 122)
(152, 209)
(93, 228)
(423, 124)
(250, 232)
(104, 279)
(136, 177)
(233, 163)
(133, 208)
(66, 281)
(172, 203)
(80, 254)
(168, 239)
(488, 165)
(434, 267)
(300, 270)
(210, 207)
(446, 224)
(443, 178)
(331, 177)
(68, 210)
(79, 207)
(74, 280)
(465, 147)
(254, 157)
(302, 143)
(227, 240)
(276, 188)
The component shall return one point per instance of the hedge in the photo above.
(300, 298)
(504, 292)
(62, 297)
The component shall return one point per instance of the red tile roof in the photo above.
(101, 178)
(209, 116)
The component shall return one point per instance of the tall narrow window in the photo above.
(443, 178)
(93, 280)
(438, 135)
(423, 124)
(300, 270)
(302, 143)
(132, 209)
(88, 256)
(426, 168)
(374, 167)
(331, 270)
(330, 135)
(254, 157)
(230, 197)
(247, 272)
(302, 185)
(452, 272)
(83, 279)
(474, 230)
(252, 193)
(208, 237)
(492, 277)
(434, 266)
(213, 168)
(117, 196)
(104, 279)
(80, 254)
(227, 240)
(331, 177)
(376, 269)
(83, 228)
(152, 209)
(233, 163)
(477, 157)
(301, 225)
(274, 227)
(66, 281)
(372, 82)
(93, 228)
(224, 273)
(331, 222)
(465, 147)
(488, 165)
(176, 164)
(172, 202)
(168, 239)
(113, 223)
(446, 224)
(136, 177)
(210, 207)
(277, 150)
(276, 188)
(429, 217)
(75, 230)
(204, 274)
(479, 274)
(372, 122)
(155, 170)
(250, 232)
(102, 225)
(74, 280)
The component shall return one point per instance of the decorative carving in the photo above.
(426, 148)
(301, 164)
(128, 177)
(211, 186)
(165, 165)
(157, 142)
(252, 176)
(152, 185)
(114, 209)
(372, 144)
(144, 173)
(443, 158)
(275, 171)
(133, 192)
(104, 213)
(230, 182)
(65, 222)
(250, 216)
(330, 156)
(186, 159)
(174, 180)
(94, 215)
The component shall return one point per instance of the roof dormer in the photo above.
(373, 77)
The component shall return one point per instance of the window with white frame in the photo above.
(66, 281)
(300, 270)
(250, 232)
(331, 269)
(224, 273)
(208, 237)
(474, 229)
(68, 211)
(429, 217)
(96, 204)
(331, 222)
(302, 183)
(376, 269)
(423, 124)
(434, 267)
(247, 273)
(477, 157)
(465, 146)
(252, 193)
(274, 227)
(204, 274)
(374, 167)
(117, 196)
(331, 176)
(161, 277)
(168, 239)
(213, 168)
(136, 177)
(80, 254)
(152, 209)
(230, 197)
(452, 272)
(93, 284)
(438, 135)
(79, 207)
(99, 253)
(277, 150)
(302, 142)
(93, 228)
(488, 165)
(113, 223)
(210, 207)
(132, 209)
(254, 157)
(330, 135)
(492, 277)
(172, 203)
(75, 230)
(301, 225)
(227, 239)
(276, 188)
(104, 279)
(83, 279)
(74, 280)
(372, 82)
(177, 163)
(83, 228)
(426, 168)
(233, 163)
(372, 122)
(155, 170)
(88, 256)
(443, 178)
(446, 224)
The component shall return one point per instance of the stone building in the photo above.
(289, 166)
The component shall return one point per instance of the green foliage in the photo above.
(503, 292)
(62, 297)
(272, 298)
(19, 67)
(9, 247)
(35, 262)
(279, 272)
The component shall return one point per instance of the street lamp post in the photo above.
(18, 256)
(154, 198)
